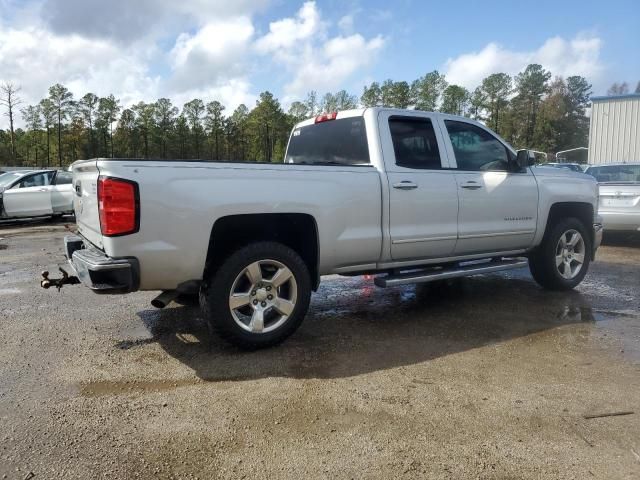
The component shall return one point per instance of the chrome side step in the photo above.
(462, 270)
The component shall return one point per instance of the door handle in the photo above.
(405, 185)
(43, 190)
(471, 185)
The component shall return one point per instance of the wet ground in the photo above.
(487, 377)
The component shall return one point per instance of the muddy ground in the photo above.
(488, 377)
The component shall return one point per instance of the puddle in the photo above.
(572, 314)
(621, 328)
(130, 387)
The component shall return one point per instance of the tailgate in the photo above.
(85, 201)
(619, 198)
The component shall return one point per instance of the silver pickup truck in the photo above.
(404, 195)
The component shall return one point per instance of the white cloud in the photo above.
(314, 60)
(577, 56)
(147, 49)
(346, 23)
(328, 67)
(216, 51)
(36, 58)
(291, 32)
(230, 93)
(126, 20)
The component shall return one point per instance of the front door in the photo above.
(423, 199)
(30, 197)
(498, 205)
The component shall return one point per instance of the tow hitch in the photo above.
(47, 282)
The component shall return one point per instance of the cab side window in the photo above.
(414, 143)
(476, 149)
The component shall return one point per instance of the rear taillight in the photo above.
(119, 206)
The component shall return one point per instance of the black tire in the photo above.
(215, 293)
(542, 262)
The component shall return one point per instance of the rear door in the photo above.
(62, 192)
(29, 197)
(498, 206)
(423, 200)
(85, 201)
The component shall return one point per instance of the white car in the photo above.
(619, 195)
(35, 193)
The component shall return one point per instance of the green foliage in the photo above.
(396, 94)
(455, 100)
(372, 95)
(426, 91)
(529, 111)
(62, 100)
(495, 91)
(531, 86)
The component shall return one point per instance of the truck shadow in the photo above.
(621, 239)
(354, 328)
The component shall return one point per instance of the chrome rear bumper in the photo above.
(99, 272)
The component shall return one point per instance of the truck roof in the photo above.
(358, 112)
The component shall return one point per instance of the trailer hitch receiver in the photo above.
(66, 279)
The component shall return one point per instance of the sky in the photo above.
(231, 50)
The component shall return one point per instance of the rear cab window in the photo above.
(333, 142)
(414, 143)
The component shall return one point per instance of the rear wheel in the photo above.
(563, 258)
(258, 296)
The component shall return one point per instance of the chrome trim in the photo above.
(405, 185)
(430, 239)
(417, 262)
(500, 234)
(475, 269)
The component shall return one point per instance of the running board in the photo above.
(430, 275)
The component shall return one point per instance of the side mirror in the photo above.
(525, 158)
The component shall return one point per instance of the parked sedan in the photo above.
(619, 195)
(34, 194)
(575, 167)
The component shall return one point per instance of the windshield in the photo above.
(7, 178)
(333, 142)
(616, 173)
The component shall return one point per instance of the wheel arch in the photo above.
(298, 231)
(583, 211)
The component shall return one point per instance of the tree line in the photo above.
(529, 110)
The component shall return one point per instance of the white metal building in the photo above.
(614, 132)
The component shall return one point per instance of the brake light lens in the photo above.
(325, 117)
(118, 206)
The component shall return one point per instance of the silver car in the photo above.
(35, 193)
(619, 195)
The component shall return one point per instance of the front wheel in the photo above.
(258, 296)
(562, 260)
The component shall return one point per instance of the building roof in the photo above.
(616, 97)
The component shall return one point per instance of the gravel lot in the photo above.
(487, 377)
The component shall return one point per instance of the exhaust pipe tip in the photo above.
(164, 299)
